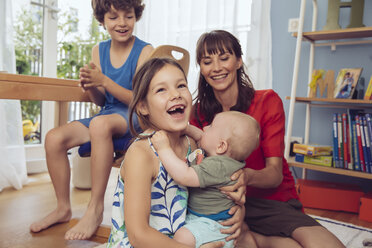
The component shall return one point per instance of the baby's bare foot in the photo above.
(86, 227)
(55, 217)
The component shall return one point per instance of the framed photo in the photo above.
(346, 82)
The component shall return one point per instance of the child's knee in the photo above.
(54, 139)
(184, 236)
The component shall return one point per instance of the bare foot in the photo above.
(86, 227)
(55, 217)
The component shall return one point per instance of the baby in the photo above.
(227, 142)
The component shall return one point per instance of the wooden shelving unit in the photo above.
(347, 33)
(333, 38)
(292, 162)
(334, 103)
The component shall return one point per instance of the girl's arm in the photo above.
(139, 168)
(176, 167)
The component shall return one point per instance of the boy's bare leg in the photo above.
(101, 162)
(57, 142)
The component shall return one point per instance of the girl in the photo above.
(153, 204)
(274, 213)
(108, 82)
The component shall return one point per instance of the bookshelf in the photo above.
(332, 38)
(333, 170)
(334, 103)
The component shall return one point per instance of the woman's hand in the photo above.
(236, 222)
(236, 192)
(90, 77)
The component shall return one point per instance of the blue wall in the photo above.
(283, 53)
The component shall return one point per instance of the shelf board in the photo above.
(330, 102)
(338, 34)
(345, 172)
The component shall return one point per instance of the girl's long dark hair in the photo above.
(216, 42)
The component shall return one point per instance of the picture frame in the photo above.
(346, 82)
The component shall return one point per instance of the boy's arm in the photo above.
(176, 167)
(91, 78)
(122, 94)
(194, 132)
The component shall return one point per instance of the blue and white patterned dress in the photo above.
(168, 207)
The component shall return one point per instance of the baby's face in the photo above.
(212, 135)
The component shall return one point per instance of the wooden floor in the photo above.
(19, 208)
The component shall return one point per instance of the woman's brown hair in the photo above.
(217, 42)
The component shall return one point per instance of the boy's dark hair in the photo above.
(141, 83)
(216, 42)
(101, 7)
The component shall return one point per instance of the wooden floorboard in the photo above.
(19, 208)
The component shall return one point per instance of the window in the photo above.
(35, 43)
(186, 20)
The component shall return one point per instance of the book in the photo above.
(345, 141)
(355, 146)
(368, 93)
(360, 146)
(350, 141)
(336, 160)
(367, 146)
(318, 160)
(340, 143)
(346, 82)
(312, 150)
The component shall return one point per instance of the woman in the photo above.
(273, 211)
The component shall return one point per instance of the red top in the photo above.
(267, 109)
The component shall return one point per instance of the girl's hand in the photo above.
(90, 77)
(235, 222)
(236, 192)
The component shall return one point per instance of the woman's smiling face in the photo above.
(168, 101)
(220, 70)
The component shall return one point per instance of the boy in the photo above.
(227, 142)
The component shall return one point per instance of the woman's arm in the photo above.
(269, 177)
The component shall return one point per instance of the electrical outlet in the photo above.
(292, 25)
(294, 138)
(298, 139)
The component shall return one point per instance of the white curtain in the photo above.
(181, 22)
(12, 153)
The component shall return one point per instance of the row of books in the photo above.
(352, 141)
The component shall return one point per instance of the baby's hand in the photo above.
(160, 140)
